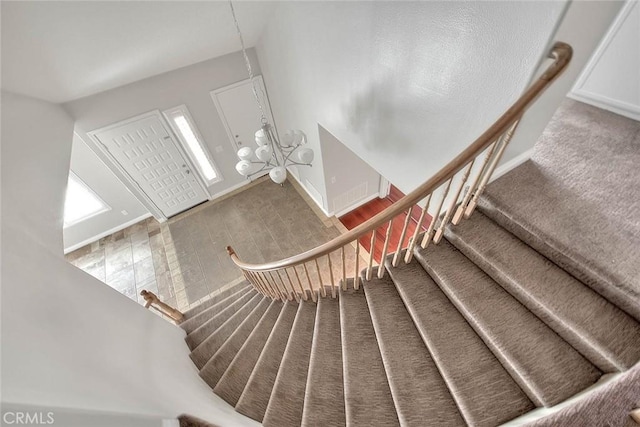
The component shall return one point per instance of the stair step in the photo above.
(324, 396)
(197, 336)
(220, 361)
(211, 307)
(545, 366)
(234, 380)
(207, 348)
(287, 398)
(608, 273)
(255, 397)
(367, 397)
(419, 392)
(603, 333)
(482, 388)
(192, 312)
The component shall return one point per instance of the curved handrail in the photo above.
(561, 54)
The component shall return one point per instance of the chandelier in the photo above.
(272, 154)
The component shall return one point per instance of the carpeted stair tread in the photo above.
(190, 421)
(206, 349)
(368, 399)
(484, 391)
(255, 397)
(196, 329)
(607, 406)
(545, 366)
(220, 361)
(235, 378)
(599, 330)
(198, 319)
(576, 201)
(420, 394)
(194, 311)
(218, 318)
(287, 398)
(324, 395)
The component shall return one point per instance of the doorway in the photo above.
(147, 152)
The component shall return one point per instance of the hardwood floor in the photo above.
(374, 207)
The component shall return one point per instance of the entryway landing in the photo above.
(184, 261)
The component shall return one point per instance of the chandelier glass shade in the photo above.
(272, 154)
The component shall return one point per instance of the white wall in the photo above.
(189, 85)
(93, 172)
(65, 417)
(349, 180)
(611, 79)
(68, 340)
(583, 26)
(405, 85)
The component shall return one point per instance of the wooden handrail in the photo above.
(274, 280)
(152, 301)
(561, 54)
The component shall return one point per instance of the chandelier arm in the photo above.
(287, 158)
(299, 164)
(280, 156)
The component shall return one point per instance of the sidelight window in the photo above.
(182, 124)
(81, 202)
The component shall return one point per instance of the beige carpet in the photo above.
(522, 306)
(577, 200)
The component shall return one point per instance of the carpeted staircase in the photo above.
(498, 319)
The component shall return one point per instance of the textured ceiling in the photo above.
(60, 51)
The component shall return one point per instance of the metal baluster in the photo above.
(396, 256)
(492, 166)
(356, 274)
(427, 235)
(381, 266)
(344, 269)
(323, 291)
(313, 292)
(257, 283)
(472, 188)
(273, 291)
(292, 291)
(371, 252)
(283, 289)
(414, 239)
(333, 283)
(452, 204)
(295, 269)
(302, 292)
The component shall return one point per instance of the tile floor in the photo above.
(184, 260)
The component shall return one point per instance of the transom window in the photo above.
(182, 124)
(81, 202)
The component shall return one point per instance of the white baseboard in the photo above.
(511, 164)
(356, 205)
(311, 196)
(233, 188)
(106, 233)
(622, 108)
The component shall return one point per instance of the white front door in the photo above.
(239, 111)
(149, 154)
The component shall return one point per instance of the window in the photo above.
(182, 124)
(81, 202)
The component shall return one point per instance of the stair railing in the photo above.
(300, 275)
(152, 301)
